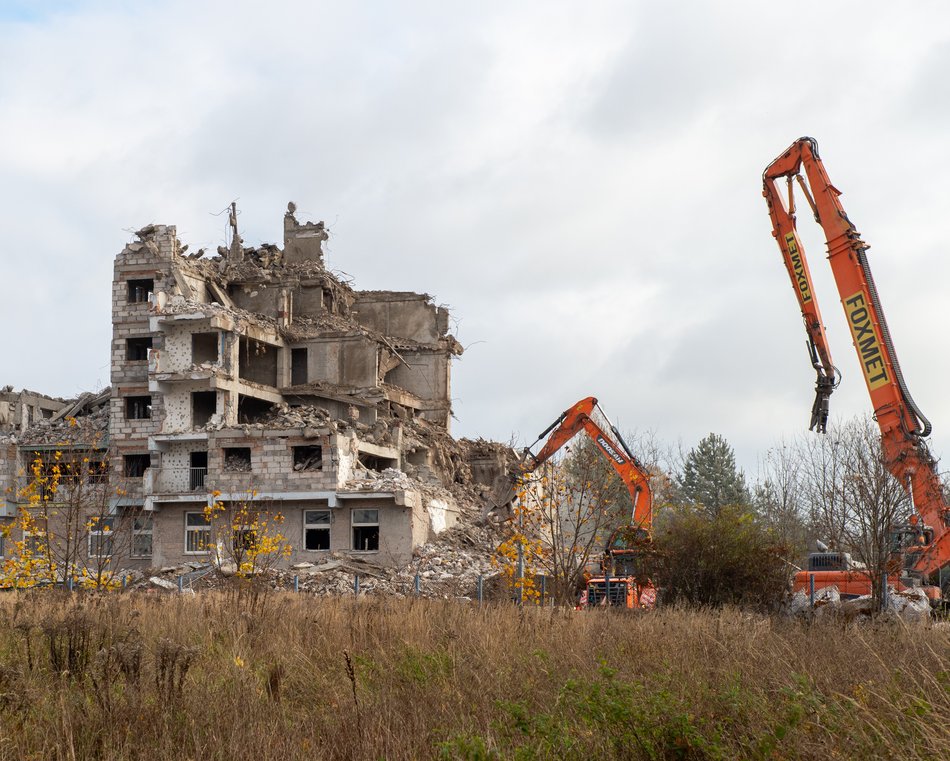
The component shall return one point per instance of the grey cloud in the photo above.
(581, 185)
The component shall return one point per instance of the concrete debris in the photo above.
(157, 581)
(83, 420)
(911, 606)
(236, 464)
(447, 569)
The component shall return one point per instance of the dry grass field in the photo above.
(292, 676)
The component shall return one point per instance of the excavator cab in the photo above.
(624, 549)
(830, 561)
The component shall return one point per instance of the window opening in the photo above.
(34, 543)
(101, 537)
(138, 407)
(257, 362)
(237, 459)
(136, 349)
(203, 406)
(308, 458)
(197, 533)
(298, 367)
(372, 462)
(142, 536)
(244, 540)
(251, 410)
(98, 467)
(365, 529)
(316, 529)
(199, 470)
(135, 465)
(204, 347)
(140, 289)
(50, 476)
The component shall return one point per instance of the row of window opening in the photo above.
(104, 535)
(364, 525)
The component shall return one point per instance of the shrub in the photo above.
(726, 558)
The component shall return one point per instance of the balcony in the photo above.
(179, 480)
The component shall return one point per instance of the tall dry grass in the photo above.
(214, 677)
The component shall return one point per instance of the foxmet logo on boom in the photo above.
(798, 267)
(610, 450)
(865, 341)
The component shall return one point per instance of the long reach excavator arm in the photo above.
(903, 426)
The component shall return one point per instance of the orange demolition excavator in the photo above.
(923, 542)
(616, 583)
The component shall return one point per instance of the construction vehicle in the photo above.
(613, 581)
(922, 543)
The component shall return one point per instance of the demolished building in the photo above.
(258, 375)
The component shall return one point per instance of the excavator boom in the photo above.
(902, 424)
(577, 419)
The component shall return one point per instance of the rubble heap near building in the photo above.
(256, 374)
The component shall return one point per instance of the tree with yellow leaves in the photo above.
(246, 540)
(72, 526)
(520, 556)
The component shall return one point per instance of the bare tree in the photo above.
(822, 477)
(661, 460)
(848, 495)
(876, 502)
(777, 496)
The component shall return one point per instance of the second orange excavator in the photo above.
(616, 582)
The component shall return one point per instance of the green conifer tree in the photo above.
(710, 477)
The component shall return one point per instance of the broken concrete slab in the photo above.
(158, 581)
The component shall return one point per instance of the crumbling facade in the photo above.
(257, 376)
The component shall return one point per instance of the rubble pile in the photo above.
(236, 464)
(83, 420)
(180, 305)
(450, 458)
(265, 264)
(447, 568)
(910, 605)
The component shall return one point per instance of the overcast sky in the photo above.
(579, 182)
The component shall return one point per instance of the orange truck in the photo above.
(614, 581)
(922, 542)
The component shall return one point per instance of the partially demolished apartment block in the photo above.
(259, 375)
